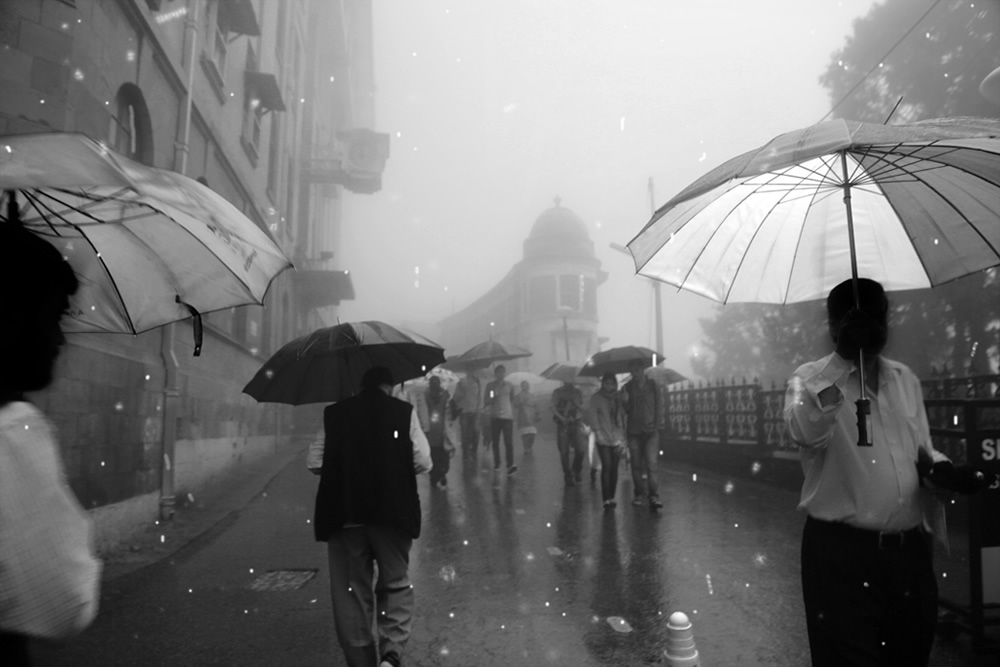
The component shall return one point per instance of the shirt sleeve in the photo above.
(810, 423)
(49, 575)
(421, 448)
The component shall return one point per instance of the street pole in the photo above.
(657, 301)
(566, 337)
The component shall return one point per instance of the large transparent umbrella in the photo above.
(149, 246)
(911, 206)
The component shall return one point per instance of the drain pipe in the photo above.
(171, 394)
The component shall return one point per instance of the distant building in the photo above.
(547, 303)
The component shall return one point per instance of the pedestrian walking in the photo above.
(498, 397)
(436, 399)
(526, 416)
(643, 418)
(567, 412)
(368, 512)
(49, 574)
(468, 399)
(606, 417)
(867, 579)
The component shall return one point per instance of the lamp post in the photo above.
(564, 312)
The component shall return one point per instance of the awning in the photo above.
(265, 87)
(239, 16)
(323, 288)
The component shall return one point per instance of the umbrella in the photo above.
(328, 364)
(149, 246)
(489, 352)
(911, 206)
(562, 372)
(921, 207)
(618, 360)
(664, 375)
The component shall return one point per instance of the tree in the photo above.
(936, 68)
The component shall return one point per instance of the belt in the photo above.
(872, 539)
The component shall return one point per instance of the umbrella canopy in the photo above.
(489, 352)
(328, 364)
(562, 372)
(771, 225)
(149, 246)
(664, 375)
(619, 360)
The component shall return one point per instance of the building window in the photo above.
(273, 168)
(130, 131)
(542, 295)
(253, 112)
(570, 290)
(590, 297)
(220, 50)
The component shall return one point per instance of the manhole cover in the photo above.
(282, 580)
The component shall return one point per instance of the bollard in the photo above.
(680, 651)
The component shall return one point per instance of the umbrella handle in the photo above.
(197, 325)
(864, 406)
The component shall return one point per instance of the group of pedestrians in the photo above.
(619, 421)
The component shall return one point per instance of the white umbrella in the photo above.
(149, 246)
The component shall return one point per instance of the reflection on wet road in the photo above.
(524, 570)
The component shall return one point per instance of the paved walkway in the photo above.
(509, 571)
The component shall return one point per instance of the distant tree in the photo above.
(936, 69)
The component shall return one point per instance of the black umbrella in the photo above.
(487, 353)
(619, 360)
(327, 365)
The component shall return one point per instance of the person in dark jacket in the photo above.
(368, 512)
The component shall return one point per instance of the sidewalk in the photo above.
(196, 515)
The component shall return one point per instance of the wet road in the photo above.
(514, 570)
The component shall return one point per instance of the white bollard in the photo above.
(680, 651)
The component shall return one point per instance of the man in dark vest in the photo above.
(368, 511)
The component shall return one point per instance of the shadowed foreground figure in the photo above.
(368, 512)
(867, 579)
(49, 576)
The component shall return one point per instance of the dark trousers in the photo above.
(867, 604)
(610, 458)
(504, 427)
(644, 448)
(14, 650)
(469, 422)
(569, 438)
(372, 618)
(441, 463)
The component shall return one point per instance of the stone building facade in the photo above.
(546, 303)
(271, 104)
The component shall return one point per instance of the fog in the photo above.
(496, 108)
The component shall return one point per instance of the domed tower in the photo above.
(560, 275)
(546, 303)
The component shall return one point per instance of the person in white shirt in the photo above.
(867, 579)
(49, 574)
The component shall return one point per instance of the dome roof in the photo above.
(559, 221)
(558, 232)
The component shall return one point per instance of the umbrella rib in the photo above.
(107, 272)
(784, 198)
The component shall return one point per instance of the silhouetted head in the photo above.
(434, 383)
(35, 286)
(500, 372)
(609, 382)
(864, 324)
(377, 377)
(525, 387)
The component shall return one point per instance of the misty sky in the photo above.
(496, 108)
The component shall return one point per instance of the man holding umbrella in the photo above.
(368, 511)
(867, 578)
(642, 415)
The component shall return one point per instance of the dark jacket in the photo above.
(367, 475)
